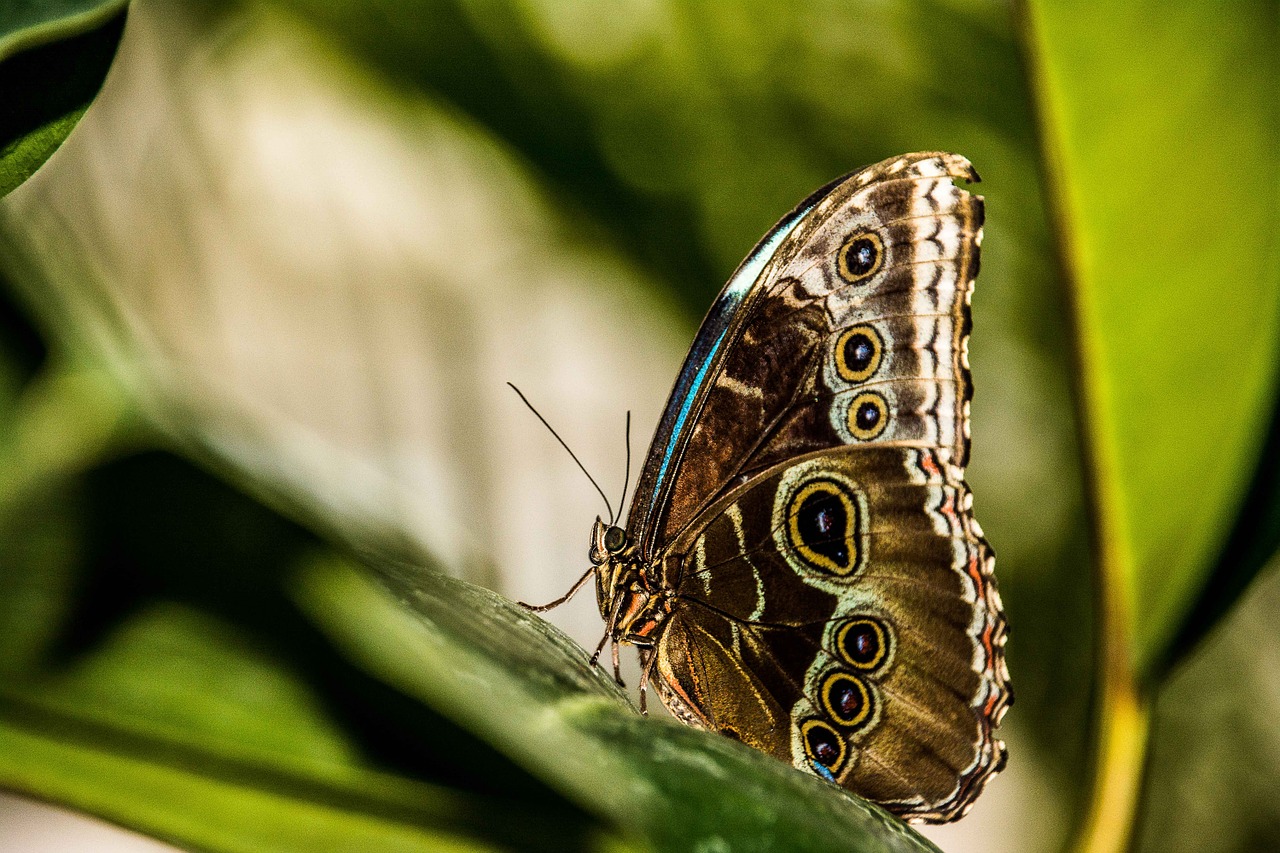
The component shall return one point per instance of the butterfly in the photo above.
(800, 567)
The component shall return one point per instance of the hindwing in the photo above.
(839, 611)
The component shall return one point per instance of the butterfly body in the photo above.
(800, 567)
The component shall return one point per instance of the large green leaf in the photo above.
(529, 690)
(1160, 140)
(1161, 133)
(152, 673)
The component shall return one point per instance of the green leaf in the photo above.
(1211, 786)
(1159, 136)
(24, 25)
(1252, 545)
(171, 701)
(169, 788)
(526, 688)
(1160, 131)
(53, 58)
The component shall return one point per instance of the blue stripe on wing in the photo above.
(671, 433)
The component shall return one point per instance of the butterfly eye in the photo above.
(868, 416)
(863, 643)
(860, 257)
(858, 353)
(823, 744)
(822, 525)
(614, 539)
(846, 699)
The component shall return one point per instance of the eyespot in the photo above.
(823, 744)
(822, 526)
(858, 353)
(614, 539)
(868, 416)
(860, 257)
(846, 699)
(863, 643)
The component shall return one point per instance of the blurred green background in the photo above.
(262, 304)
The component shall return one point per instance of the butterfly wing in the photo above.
(893, 247)
(839, 346)
(838, 611)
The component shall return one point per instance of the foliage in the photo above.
(301, 244)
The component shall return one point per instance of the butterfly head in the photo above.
(607, 542)
(624, 591)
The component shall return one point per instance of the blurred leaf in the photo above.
(1215, 753)
(153, 673)
(528, 689)
(53, 58)
(178, 792)
(28, 24)
(1252, 545)
(336, 280)
(1160, 133)
(66, 419)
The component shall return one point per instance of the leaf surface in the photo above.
(53, 58)
(1161, 137)
(527, 689)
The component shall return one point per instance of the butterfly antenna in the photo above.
(626, 481)
(572, 455)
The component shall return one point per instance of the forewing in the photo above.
(853, 329)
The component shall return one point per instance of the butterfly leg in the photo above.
(608, 631)
(595, 657)
(644, 678)
(617, 666)
(541, 608)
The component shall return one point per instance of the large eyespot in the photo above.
(863, 643)
(822, 526)
(858, 353)
(823, 745)
(614, 539)
(860, 257)
(846, 699)
(868, 416)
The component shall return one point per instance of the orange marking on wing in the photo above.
(929, 465)
(989, 646)
(949, 509)
(973, 572)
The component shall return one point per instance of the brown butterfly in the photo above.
(800, 567)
